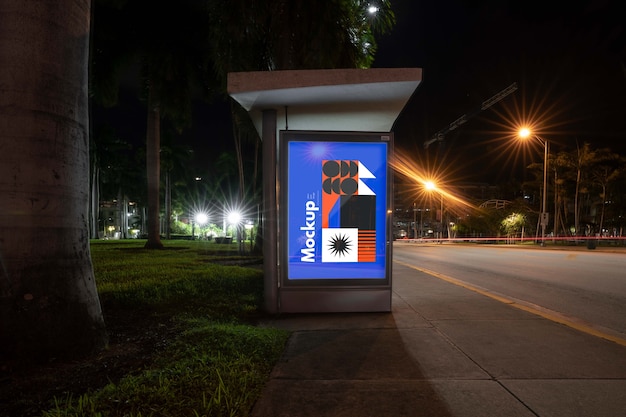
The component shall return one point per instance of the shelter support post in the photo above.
(270, 215)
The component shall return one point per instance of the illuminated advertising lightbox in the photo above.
(334, 196)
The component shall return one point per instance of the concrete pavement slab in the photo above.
(404, 315)
(444, 350)
(468, 306)
(360, 398)
(535, 349)
(479, 398)
(346, 354)
(437, 357)
(571, 398)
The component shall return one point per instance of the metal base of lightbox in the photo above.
(334, 300)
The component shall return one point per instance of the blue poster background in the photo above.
(304, 223)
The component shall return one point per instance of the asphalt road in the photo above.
(586, 287)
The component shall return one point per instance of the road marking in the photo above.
(530, 308)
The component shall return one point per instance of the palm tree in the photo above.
(196, 44)
(116, 162)
(49, 305)
(169, 48)
(606, 170)
(283, 35)
(174, 160)
(581, 160)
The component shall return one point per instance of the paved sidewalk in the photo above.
(443, 351)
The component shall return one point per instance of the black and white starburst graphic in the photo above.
(340, 245)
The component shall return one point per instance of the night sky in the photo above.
(568, 59)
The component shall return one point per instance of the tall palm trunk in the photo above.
(94, 201)
(49, 305)
(577, 201)
(153, 172)
(168, 204)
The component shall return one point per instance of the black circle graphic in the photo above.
(345, 168)
(327, 186)
(337, 186)
(330, 168)
(349, 186)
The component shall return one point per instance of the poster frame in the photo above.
(354, 282)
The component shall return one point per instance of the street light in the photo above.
(234, 218)
(429, 185)
(525, 133)
(248, 226)
(200, 218)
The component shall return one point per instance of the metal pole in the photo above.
(270, 212)
(442, 221)
(544, 218)
(414, 221)
(441, 226)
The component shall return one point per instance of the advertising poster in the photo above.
(336, 208)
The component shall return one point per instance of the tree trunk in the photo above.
(555, 224)
(120, 212)
(168, 205)
(153, 172)
(237, 135)
(603, 206)
(49, 305)
(577, 203)
(94, 202)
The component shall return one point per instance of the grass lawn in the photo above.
(211, 359)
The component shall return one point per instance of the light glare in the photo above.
(234, 217)
(425, 180)
(524, 132)
(202, 218)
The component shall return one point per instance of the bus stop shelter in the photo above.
(343, 103)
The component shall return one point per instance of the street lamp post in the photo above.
(200, 219)
(442, 219)
(525, 133)
(248, 227)
(414, 221)
(431, 186)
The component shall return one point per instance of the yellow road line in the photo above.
(533, 310)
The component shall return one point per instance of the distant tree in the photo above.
(579, 161)
(191, 48)
(616, 213)
(118, 164)
(49, 305)
(587, 173)
(284, 35)
(513, 223)
(561, 167)
(605, 170)
(174, 160)
(536, 184)
(169, 46)
(481, 222)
